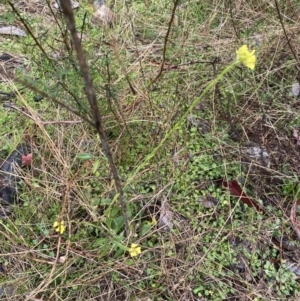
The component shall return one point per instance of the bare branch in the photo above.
(166, 42)
(95, 112)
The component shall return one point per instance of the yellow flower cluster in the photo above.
(134, 250)
(246, 57)
(59, 227)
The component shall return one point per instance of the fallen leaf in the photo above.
(208, 202)
(293, 267)
(284, 243)
(295, 135)
(294, 221)
(236, 190)
(165, 222)
(27, 160)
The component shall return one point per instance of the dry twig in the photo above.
(95, 112)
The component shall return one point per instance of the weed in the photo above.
(172, 139)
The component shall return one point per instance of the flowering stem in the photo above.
(180, 122)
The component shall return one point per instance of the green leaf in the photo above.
(114, 211)
(96, 165)
(105, 201)
(95, 201)
(101, 242)
(119, 245)
(115, 224)
(84, 156)
(145, 228)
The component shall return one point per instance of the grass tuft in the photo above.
(171, 145)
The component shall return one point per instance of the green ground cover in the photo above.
(197, 241)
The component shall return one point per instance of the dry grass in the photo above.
(227, 252)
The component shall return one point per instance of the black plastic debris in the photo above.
(38, 98)
(5, 57)
(9, 179)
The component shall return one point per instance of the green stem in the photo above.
(179, 123)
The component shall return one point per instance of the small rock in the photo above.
(295, 90)
(256, 158)
(103, 16)
(13, 30)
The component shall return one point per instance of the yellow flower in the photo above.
(154, 221)
(246, 57)
(59, 227)
(134, 250)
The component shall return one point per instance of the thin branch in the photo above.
(63, 34)
(61, 122)
(67, 10)
(45, 95)
(7, 105)
(237, 33)
(41, 47)
(172, 67)
(166, 41)
(286, 35)
(113, 44)
(30, 32)
(135, 42)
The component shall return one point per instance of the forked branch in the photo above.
(95, 111)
